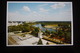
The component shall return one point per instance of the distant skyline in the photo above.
(39, 11)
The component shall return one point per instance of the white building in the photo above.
(11, 23)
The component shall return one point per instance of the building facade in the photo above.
(12, 23)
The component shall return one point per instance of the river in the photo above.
(43, 28)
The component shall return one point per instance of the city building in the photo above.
(11, 23)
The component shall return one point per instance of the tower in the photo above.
(40, 38)
(40, 34)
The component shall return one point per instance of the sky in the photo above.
(39, 11)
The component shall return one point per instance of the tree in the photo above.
(40, 42)
(34, 33)
(53, 35)
(12, 28)
(67, 37)
(43, 25)
(26, 29)
(47, 43)
(47, 32)
(25, 24)
(53, 32)
(36, 29)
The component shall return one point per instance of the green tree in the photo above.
(25, 24)
(36, 29)
(43, 24)
(12, 28)
(47, 43)
(47, 32)
(53, 32)
(39, 42)
(53, 35)
(26, 29)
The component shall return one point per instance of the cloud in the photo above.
(39, 16)
(58, 5)
(43, 10)
(34, 12)
(61, 16)
(26, 8)
(32, 16)
(15, 16)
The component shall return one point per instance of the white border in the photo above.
(7, 26)
(39, 2)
